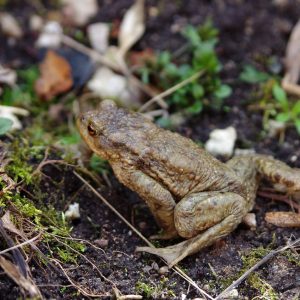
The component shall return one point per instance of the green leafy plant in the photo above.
(252, 75)
(200, 55)
(286, 111)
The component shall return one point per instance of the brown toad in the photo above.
(190, 193)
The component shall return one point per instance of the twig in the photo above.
(113, 209)
(256, 266)
(73, 283)
(175, 268)
(171, 90)
(20, 245)
(120, 68)
(125, 297)
(281, 198)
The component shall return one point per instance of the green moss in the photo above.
(160, 290)
(264, 288)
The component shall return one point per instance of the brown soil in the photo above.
(250, 32)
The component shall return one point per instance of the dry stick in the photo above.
(176, 269)
(108, 63)
(20, 245)
(256, 266)
(171, 90)
(78, 287)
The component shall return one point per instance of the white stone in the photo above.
(275, 127)
(50, 36)
(72, 213)
(10, 26)
(98, 34)
(221, 141)
(250, 220)
(36, 23)
(8, 76)
(79, 12)
(108, 84)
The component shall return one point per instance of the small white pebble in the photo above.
(36, 23)
(101, 242)
(294, 158)
(275, 127)
(250, 220)
(183, 296)
(10, 26)
(50, 36)
(163, 270)
(130, 233)
(98, 34)
(221, 141)
(72, 213)
(233, 294)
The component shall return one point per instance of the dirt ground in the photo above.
(250, 32)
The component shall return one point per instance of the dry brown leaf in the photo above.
(56, 76)
(132, 26)
(14, 273)
(9, 225)
(283, 218)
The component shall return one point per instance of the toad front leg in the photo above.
(159, 200)
(203, 218)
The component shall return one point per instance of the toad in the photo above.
(190, 193)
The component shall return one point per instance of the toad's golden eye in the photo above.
(92, 131)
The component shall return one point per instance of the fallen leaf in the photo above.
(79, 12)
(10, 112)
(9, 225)
(14, 273)
(98, 34)
(283, 219)
(56, 76)
(140, 58)
(132, 26)
(8, 76)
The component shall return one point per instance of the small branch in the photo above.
(119, 68)
(20, 245)
(171, 90)
(281, 198)
(256, 266)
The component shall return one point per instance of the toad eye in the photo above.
(92, 131)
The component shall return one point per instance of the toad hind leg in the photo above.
(278, 172)
(203, 218)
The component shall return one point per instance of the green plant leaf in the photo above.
(197, 91)
(252, 75)
(5, 125)
(283, 117)
(297, 125)
(296, 109)
(280, 95)
(195, 108)
(223, 92)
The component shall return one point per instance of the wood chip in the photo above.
(283, 219)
